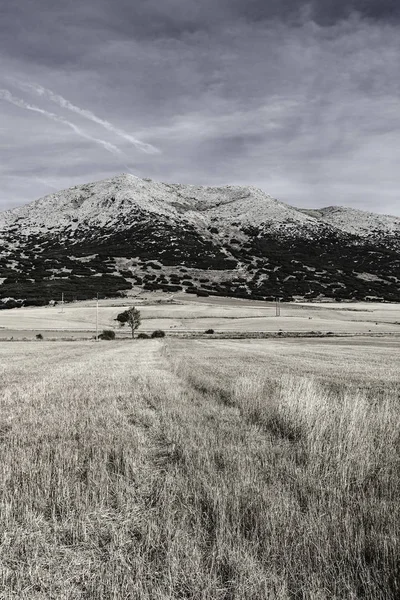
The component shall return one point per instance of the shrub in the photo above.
(108, 334)
(171, 288)
(10, 303)
(143, 336)
(39, 336)
(158, 333)
(210, 331)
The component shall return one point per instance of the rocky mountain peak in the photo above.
(230, 240)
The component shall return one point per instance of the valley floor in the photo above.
(200, 469)
(190, 314)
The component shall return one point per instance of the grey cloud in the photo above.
(60, 33)
(328, 11)
(324, 12)
(174, 18)
(299, 98)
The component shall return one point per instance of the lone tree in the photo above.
(130, 317)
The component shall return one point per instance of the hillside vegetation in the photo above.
(132, 471)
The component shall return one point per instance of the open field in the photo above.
(200, 469)
(191, 314)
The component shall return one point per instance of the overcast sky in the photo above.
(300, 98)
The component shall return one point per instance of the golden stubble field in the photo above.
(200, 469)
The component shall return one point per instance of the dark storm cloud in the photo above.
(325, 12)
(59, 33)
(174, 18)
(300, 98)
(328, 11)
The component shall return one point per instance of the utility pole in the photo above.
(278, 307)
(97, 317)
(62, 302)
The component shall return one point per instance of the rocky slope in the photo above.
(108, 236)
(368, 225)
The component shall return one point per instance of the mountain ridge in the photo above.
(240, 239)
(243, 198)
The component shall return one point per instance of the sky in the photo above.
(299, 98)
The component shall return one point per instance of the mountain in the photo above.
(368, 225)
(108, 236)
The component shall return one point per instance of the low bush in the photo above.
(210, 331)
(143, 336)
(158, 333)
(108, 334)
(39, 336)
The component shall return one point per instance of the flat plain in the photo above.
(200, 468)
(188, 314)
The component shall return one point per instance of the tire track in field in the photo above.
(154, 385)
(160, 394)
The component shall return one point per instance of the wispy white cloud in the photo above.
(7, 96)
(87, 114)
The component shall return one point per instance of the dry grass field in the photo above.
(191, 314)
(200, 469)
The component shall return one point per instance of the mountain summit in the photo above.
(106, 202)
(125, 231)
